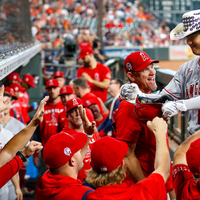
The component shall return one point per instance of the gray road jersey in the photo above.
(185, 85)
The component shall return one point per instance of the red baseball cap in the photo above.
(66, 90)
(73, 103)
(193, 156)
(52, 83)
(10, 91)
(91, 101)
(104, 150)
(14, 77)
(137, 61)
(61, 147)
(84, 52)
(17, 87)
(58, 74)
(29, 80)
(147, 111)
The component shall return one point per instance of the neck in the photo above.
(55, 101)
(93, 64)
(76, 128)
(99, 118)
(84, 92)
(6, 118)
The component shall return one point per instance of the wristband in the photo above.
(19, 153)
(89, 136)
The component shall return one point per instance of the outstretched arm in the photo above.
(180, 153)
(133, 166)
(162, 159)
(19, 141)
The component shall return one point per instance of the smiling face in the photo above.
(145, 79)
(193, 41)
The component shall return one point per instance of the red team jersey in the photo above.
(83, 172)
(24, 100)
(99, 73)
(185, 186)
(129, 129)
(151, 188)
(59, 187)
(53, 120)
(16, 110)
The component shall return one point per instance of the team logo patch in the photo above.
(14, 77)
(144, 57)
(104, 169)
(129, 66)
(67, 151)
(75, 102)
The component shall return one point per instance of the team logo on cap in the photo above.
(129, 66)
(144, 57)
(75, 102)
(104, 169)
(16, 89)
(67, 151)
(14, 77)
(27, 79)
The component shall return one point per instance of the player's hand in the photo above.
(38, 117)
(129, 92)
(158, 126)
(89, 127)
(19, 193)
(33, 147)
(87, 77)
(172, 108)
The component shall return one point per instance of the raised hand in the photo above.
(89, 127)
(38, 117)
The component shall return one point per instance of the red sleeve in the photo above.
(10, 169)
(79, 72)
(106, 72)
(127, 126)
(151, 188)
(185, 186)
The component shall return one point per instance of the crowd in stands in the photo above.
(125, 23)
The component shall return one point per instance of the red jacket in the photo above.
(150, 188)
(58, 187)
(10, 169)
(53, 120)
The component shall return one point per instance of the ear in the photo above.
(71, 161)
(131, 76)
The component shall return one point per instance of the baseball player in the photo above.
(97, 75)
(186, 82)
(108, 174)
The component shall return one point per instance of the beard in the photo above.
(87, 64)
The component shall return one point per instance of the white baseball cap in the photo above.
(190, 24)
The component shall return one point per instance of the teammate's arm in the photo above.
(180, 153)
(101, 84)
(162, 158)
(133, 166)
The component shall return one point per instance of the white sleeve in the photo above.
(192, 104)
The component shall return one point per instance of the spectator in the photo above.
(107, 175)
(65, 160)
(98, 52)
(97, 75)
